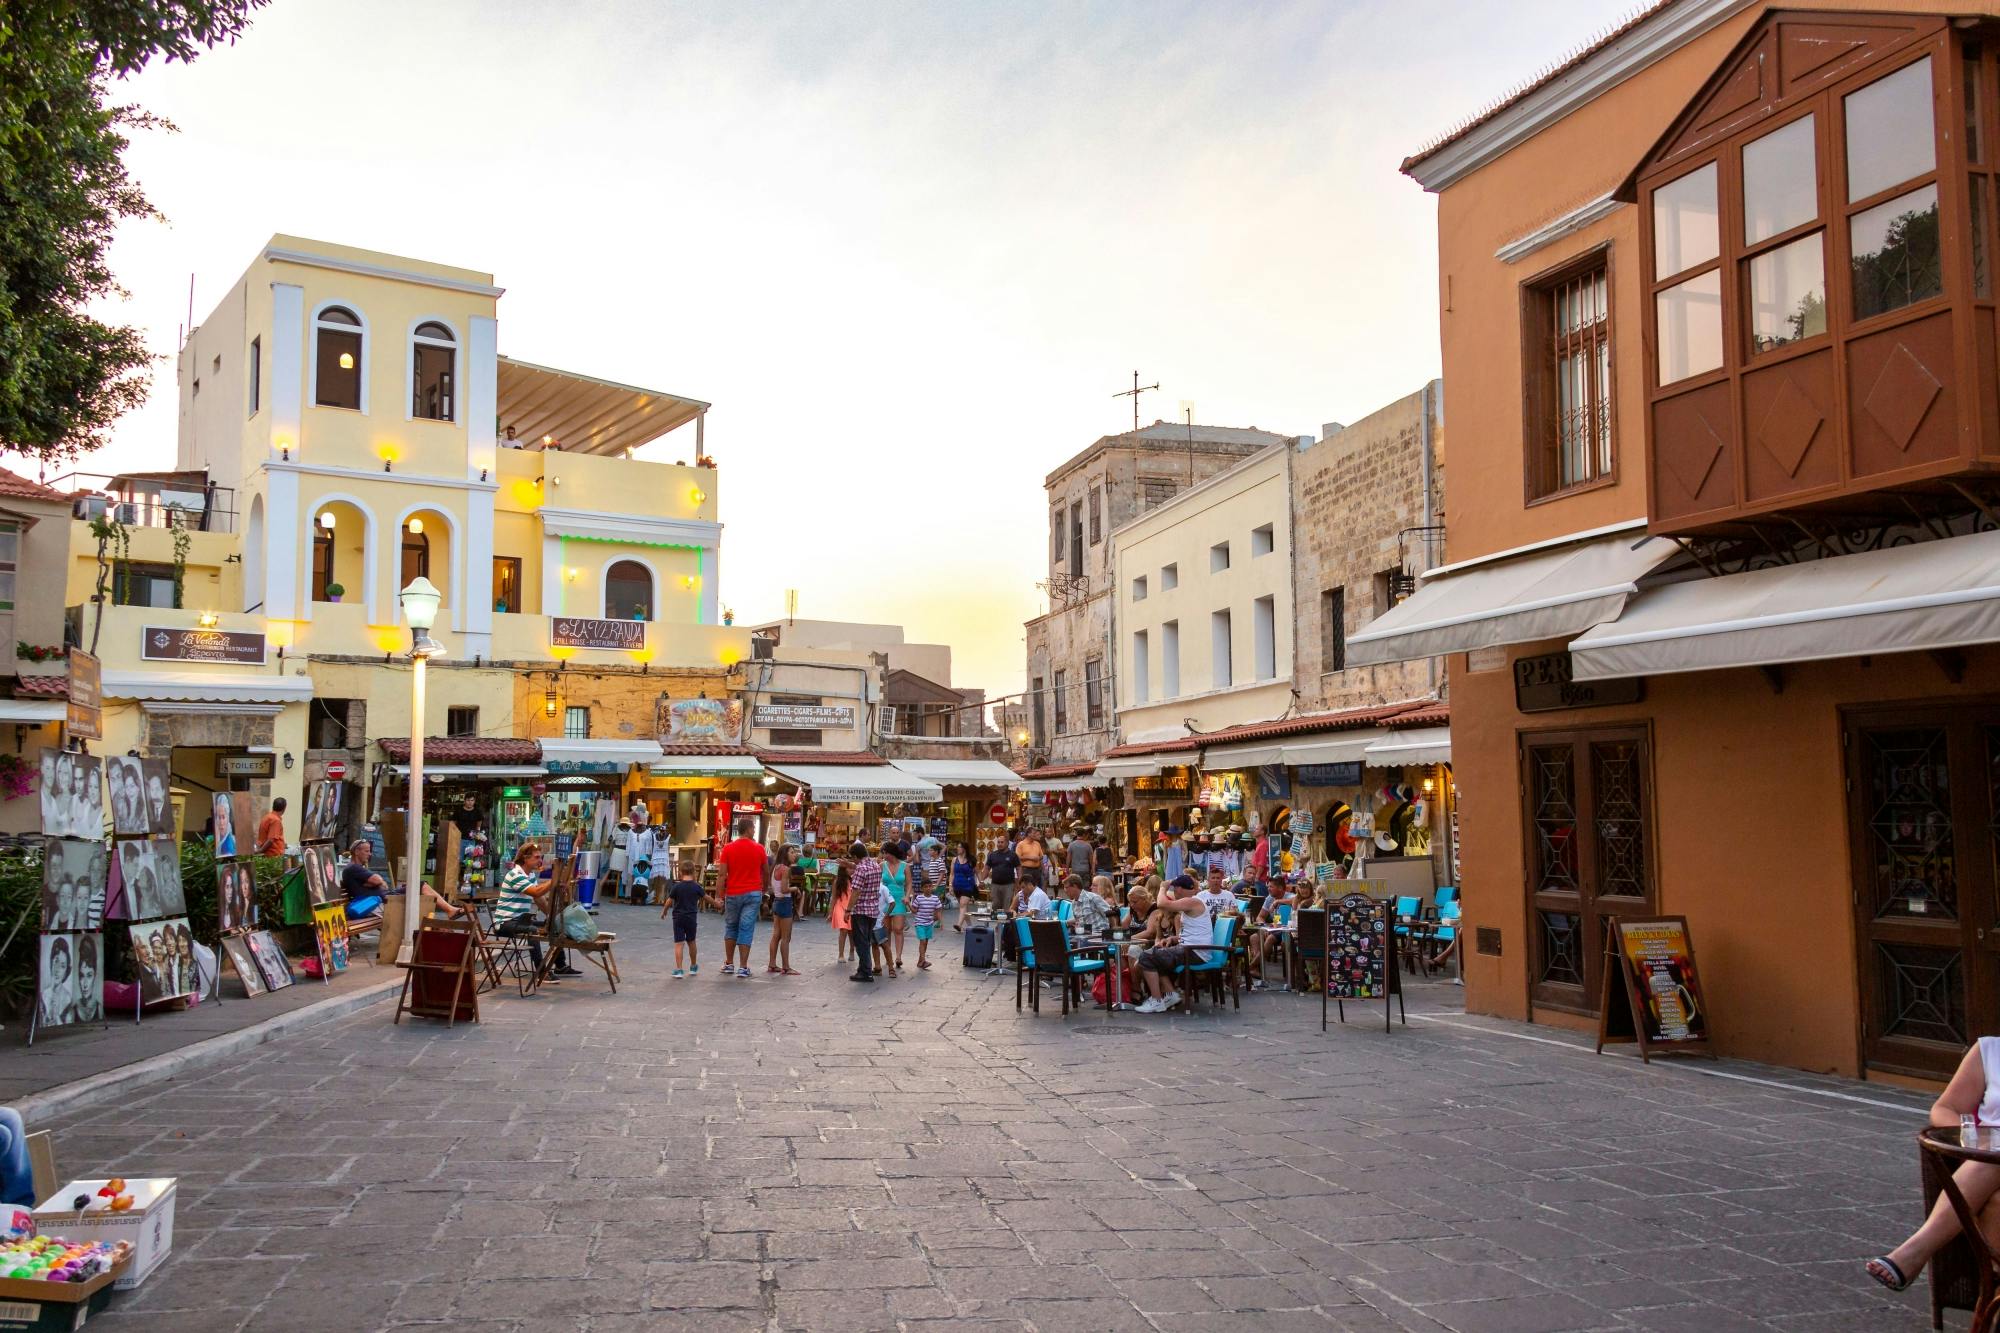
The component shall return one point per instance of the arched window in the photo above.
(416, 557)
(322, 570)
(628, 591)
(337, 358)
(433, 351)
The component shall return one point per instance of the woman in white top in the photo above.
(1973, 1090)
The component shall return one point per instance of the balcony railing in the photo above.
(150, 502)
(1066, 590)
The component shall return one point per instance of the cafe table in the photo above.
(1282, 937)
(1114, 949)
(1942, 1152)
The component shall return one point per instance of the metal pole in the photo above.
(413, 895)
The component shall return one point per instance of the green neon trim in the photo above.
(700, 567)
(632, 541)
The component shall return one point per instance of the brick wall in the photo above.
(622, 703)
(1352, 494)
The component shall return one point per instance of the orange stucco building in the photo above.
(1719, 348)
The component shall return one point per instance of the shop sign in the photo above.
(1545, 685)
(619, 636)
(336, 769)
(1273, 783)
(1330, 775)
(160, 644)
(85, 719)
(1176, 784)
(583, 766)
(821, 716)
(709, 721)
(245, 766)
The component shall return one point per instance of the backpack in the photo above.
(578, 924)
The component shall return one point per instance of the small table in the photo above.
(1941, 1145)
(1114, 971)
(1283, 936)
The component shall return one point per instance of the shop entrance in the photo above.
(1924, 799)
(1589, 833)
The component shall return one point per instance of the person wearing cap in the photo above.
(1196, 932)
(1221, 902)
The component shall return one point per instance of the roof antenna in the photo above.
(1133, 393)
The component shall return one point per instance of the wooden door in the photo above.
(1588, 812)
(1922, 786)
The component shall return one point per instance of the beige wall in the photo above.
(40, 567)
(832, 677)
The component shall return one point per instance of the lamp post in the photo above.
(420, 607)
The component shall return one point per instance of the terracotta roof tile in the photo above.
(15, 485)
(857, 758)
(1427, 715)
(1050, 771)
(41, 687)
(696, 748)
(1387, 715)
(466, 750)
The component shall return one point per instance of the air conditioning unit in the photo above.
(762, 648)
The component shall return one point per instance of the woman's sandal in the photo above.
(1881, 1262)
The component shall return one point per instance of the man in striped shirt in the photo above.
(518, 913)
(864, 904)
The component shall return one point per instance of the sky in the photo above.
(908, 251)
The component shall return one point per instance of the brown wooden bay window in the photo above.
(1814, 235)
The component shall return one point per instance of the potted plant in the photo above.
(333, 592)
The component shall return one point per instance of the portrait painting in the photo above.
(150, 870)
(74, 878)
(272, 964)
(237, 949)
(235, 895)
(163, 959)
(322, 874)
(140, 802)
(223, 812)
(323, 811)
(72, 980)
(72, 795)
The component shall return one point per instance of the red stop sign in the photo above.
(336, 769)
(998, 814)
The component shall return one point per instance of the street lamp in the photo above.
(420, 607)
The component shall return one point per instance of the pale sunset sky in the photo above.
(909, 251)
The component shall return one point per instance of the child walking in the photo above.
(836, 912)
(781, 913)
(928, 905)
(684, 900)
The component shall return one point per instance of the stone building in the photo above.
(1367, 519)
(1118, 477)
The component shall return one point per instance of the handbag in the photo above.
(578, 924)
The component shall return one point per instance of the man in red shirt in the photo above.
(745, 866)
(271, 830)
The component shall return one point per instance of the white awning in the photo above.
(1545, 595)
(1936, 594)
(33, 710)
(1417, 745)
(599, 752)
(228, 687)
(1083, 782)
(706, 766)
(1344, 748)
(1251, 754)
(860, 782)
(470, 771)
(1131, 766)
(959, 772)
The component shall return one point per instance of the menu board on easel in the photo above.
(1652, 993)
(1360, 955)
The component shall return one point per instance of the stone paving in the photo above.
(811, 1154)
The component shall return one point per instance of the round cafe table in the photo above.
(1942, 1153)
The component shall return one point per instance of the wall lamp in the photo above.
(288, 759)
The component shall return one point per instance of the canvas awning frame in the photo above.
(878, 783)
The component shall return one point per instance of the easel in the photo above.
(1386, 978)
(438, 980)
(1627, 1015)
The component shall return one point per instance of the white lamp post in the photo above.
(420, 607)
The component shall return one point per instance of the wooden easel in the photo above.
(438, 981)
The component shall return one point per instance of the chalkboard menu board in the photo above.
(1357, 943)
(1652, 993)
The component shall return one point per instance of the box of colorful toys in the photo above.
(52, 1283)
(138, 1213)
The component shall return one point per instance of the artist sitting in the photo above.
(365, 889)
(523, 907)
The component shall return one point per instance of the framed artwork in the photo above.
(272, 965)
(151, 873)
(235, 895)
(75, 876)
(228, 838)
(330, 937)
(71, 988)
(323, 811)
(322, 878)
(237, 949)
(72, 795)
(163, 959)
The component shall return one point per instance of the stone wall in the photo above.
(623, 702)
(1063, 641)
(1352, 494)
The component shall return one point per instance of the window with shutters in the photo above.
(1566, 319)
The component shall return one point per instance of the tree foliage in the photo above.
(64, 376)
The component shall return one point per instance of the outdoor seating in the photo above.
(1024, 959)
(1962, 1274)
(1054, 959)
(1219, 961)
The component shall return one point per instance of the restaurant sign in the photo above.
(1545, 685)
(1174, 784)
(619, 636)
(824, 716)
(1346, 774)
(704, 721)
(84, 716)
(160, 644)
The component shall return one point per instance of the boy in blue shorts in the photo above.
(684, 901)
(927, 905)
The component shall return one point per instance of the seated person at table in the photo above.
(1196, 925)
(1139, 912)
(1090, 908)
(1221, 902)
(1030, 899)
(1973, 1090)
(1278, 895)
(524, 902)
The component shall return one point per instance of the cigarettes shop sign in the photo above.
(802, 715)
(159, 644)
(626, 636)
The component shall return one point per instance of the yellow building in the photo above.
(347, 423)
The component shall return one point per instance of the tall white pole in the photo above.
(413, 894)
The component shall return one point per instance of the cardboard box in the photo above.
(148, 1223)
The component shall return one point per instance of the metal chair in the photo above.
(1218, 959)
(1024, 958)
(1054, 959)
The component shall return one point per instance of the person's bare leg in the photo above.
(786, 951)
(1978, 1182)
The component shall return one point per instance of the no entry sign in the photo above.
(336, 769)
